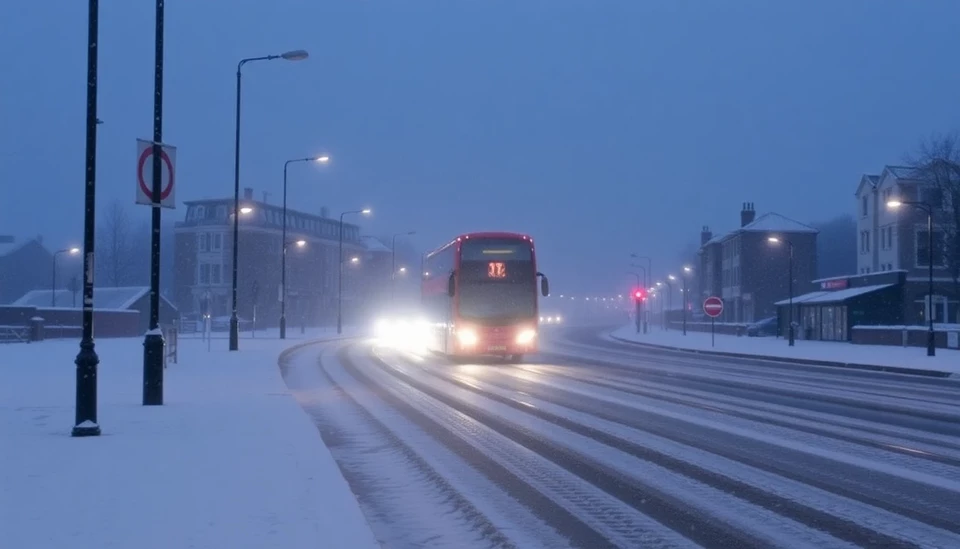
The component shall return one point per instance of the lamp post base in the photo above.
(283, 327)
(86, 429)
(153, 347)
(931, 344)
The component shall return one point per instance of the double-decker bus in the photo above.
(479, 294)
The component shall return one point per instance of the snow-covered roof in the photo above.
(767, 223)
(121, 298)
(374, 245)
(834, 296)
(903, 172)
(846, 277)
(776, 223)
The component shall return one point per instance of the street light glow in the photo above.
(671, 277)
(354, 259)
(73, 251)
(301, 243)
(403, 269)
(894, 204)
(245, 210)
(366, 211)
(773, 240)
(687, 269)
(295, 55)
(322, 159)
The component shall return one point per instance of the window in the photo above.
(864, 242)
(864, 204)
(201, 212)
(221, 212)
(203, 273)
(215, 274)
(923, 248)
(203, 242)
(216, 243)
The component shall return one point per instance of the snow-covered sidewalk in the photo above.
(911, 358)
(230, 460)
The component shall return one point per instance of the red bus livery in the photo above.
(479, 294)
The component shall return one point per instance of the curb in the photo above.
(282, 357)
(789, 360)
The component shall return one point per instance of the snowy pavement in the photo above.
(602, 444)
(912, 358)
(230, 460)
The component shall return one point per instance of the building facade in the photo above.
(897, 239)
(204, 262)
(751, 273)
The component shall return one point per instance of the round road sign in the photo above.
(713, 306)
(142, 161)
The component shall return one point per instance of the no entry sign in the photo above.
(713, 306)
(168, 163)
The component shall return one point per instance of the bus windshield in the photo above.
(497, 280)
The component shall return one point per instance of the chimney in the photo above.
(747, 214)
(705, 235)
(265, 196)
(324, 212)
(247, 193)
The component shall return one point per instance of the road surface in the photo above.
(595, 443)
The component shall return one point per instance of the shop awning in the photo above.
(834, 296)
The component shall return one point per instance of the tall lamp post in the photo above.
(53, 284)
(85, 420)
(928, 208)
(686, 271)
(393, 264)
(647, 276)
(294, 55)
(638, 299)
(669, 296)
(790, 329)
(365, 211)
(663, 322)
(283, 254)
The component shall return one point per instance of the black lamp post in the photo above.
(340, 267)
(647, 276)
(295, 55)
(153, 344)
(393, 264)
(283, 254)
(85, 420)
(790, 329)
(637, 300)
(928, 208)
(53, 284)
(686, 271)
(669, 298)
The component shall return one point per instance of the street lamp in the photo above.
(669, 295)
(637, 301)
(393, 263)
(647, 275)
(283, 255)
(790, 329)
(294, 55)
(365, 211)
(928, 208)
(53, 285)
(85, 418)
(686, 271)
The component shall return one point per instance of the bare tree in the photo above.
(938, 164)
(115, 248)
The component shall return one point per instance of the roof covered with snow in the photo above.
(121, 298)
(834, 296)
(374, 244)
(768, 223)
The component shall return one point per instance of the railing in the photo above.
(14, 334)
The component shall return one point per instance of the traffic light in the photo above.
(639, 295)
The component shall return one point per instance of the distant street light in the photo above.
(246, 210)
(283, 255)
(365, 211)
(293, 55)
(928, 208)
(53, 285)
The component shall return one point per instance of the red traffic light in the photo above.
(639, 295)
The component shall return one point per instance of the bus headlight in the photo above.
(467, 337)
(526, 336)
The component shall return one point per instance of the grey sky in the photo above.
(599, 127)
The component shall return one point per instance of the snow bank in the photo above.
(914, 358)
(230, 460)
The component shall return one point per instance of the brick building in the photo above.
(748, 271)
(204, 253)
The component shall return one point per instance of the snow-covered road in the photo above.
(600, 444)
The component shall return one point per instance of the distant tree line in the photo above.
(123, 250)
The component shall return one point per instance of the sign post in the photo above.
(713, 307)
(168, 175)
